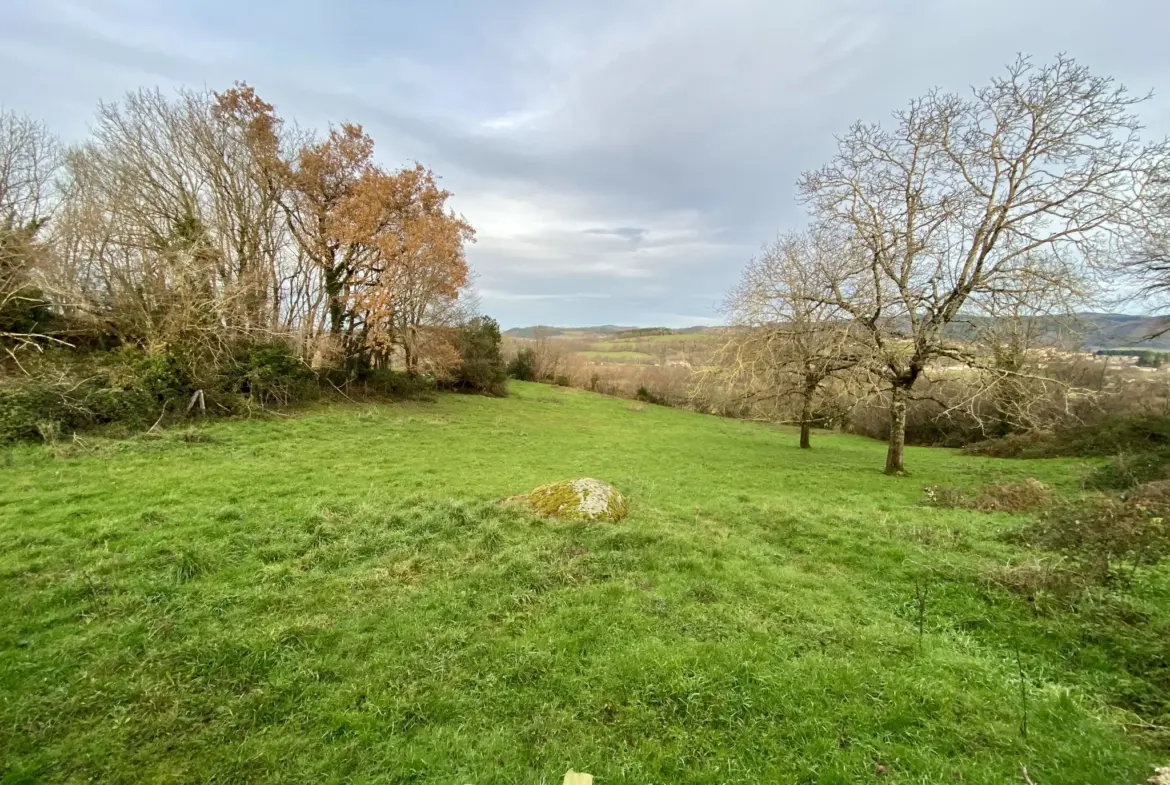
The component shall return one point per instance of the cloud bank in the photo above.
(619, 160)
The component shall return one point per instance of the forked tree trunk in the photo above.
(895, 454)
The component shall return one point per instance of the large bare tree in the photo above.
(1028, 183)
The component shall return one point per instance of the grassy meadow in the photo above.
(336, 596)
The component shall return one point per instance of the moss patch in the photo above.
(585, 499)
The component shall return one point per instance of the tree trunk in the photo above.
(894, 456)
(806, 414)
(333, 293)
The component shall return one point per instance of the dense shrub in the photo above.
(1015, 445)
(269, 373)
(68, 390)
(374, 383)
(37, 408)
(523, 365)
(1109, 537)
(1127, 469)
(1128, 432)
(925, 420)
(481, 366)
(164, 375)
(644, 395)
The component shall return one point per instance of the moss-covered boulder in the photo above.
(582, 500)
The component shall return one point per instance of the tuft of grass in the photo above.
(195, 436)
(376, 616)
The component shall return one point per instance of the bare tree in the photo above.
(1014, 343)
(29, 159)
(1147, 261)
(138, 228)
(1030, 183)
(170, 220)
(548, 354)
(788, 340)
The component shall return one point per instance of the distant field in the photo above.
(336, 596)
(620, 344)
(619, 356)
(685, 337)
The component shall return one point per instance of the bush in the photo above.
(1131, 432)
(27, 314)
(563, 381)
(1015, 445)
(35, 408)
(523, 365)
(1109, 537)
(78, 390)
(646, 396)
(1128, 469)
(24, 409)
(379, 382)
(269, 373)
(481, 366)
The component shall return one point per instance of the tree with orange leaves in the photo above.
(412, 279)
(389, 251)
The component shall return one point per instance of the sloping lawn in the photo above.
(337, 597)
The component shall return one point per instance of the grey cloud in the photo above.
(633, 234)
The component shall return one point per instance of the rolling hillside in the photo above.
(1093, 330)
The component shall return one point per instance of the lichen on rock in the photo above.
(585, 499)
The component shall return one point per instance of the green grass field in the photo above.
(336, 597)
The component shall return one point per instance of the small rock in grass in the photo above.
(586, 499)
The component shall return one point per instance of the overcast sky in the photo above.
(620, 160)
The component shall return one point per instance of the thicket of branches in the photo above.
(201, 225)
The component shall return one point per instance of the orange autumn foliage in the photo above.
(417, 265)
(389, 251)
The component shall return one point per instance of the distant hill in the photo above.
(602, 331)
(1114, 331)
(1096, 330)
(544, 331)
